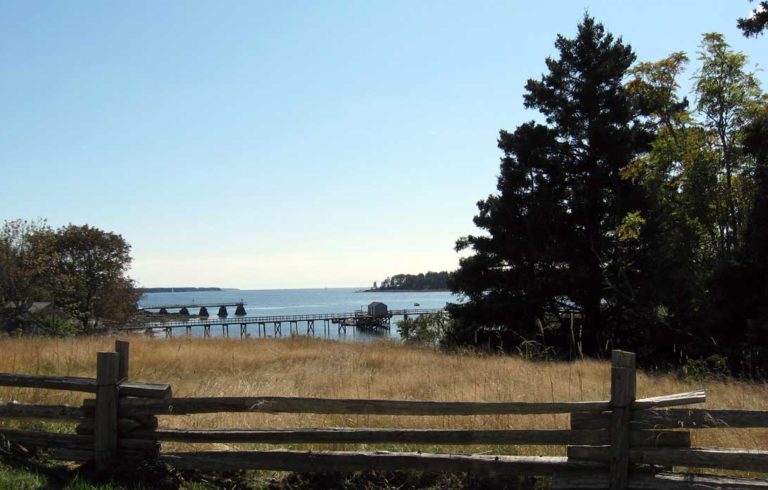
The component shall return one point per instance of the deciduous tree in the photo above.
(727, 95)
(702, 179)
(92, 266)
(22, 272)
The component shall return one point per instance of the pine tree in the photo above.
(563, 232)
(756, 22)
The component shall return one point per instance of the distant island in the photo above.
(431, 281)
(177, 290)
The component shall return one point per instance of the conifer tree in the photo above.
(563, 231)
(756, 22)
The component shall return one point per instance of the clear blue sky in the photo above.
(266, 144)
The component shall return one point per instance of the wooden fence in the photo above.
(619, 443)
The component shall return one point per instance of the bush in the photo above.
(426, 329)
(713, 367)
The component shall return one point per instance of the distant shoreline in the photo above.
(404, 291)
(178, 290)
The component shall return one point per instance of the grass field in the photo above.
(318, 368)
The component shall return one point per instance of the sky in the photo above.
(261, 145)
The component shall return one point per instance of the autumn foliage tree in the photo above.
(81, 269)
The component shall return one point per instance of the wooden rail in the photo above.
(358, 461)
(383, 461)
(549, 437)
(727, 459)
(618, 443)
(14, 409)
(700, 419)
(187, 406)
(86, 385)
(197, 405)
(675, 418)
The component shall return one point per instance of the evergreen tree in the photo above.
(756, 22)
(563, 231)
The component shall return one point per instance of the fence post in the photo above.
(623, 390)
(105, 430)
(122, 347)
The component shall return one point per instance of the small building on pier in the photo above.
(378, 310)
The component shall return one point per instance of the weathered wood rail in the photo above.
(619, 443)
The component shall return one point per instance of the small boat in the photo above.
(416, 304)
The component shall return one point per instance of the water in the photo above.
(273, 302)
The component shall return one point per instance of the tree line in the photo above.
(629, 215)
(398, 282)
(80, 270)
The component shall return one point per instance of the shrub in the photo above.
(713, 367)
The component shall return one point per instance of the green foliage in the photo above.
(713, 367)
(90, 277)
(727, 96)
(426, 329)
(631, 227)
(20, 479)
(702, 179)
(756, 22)
(738, 312)
(80, 269)
(558, 232)
(702, 187)
(643, 214)
(59, 326)
(756, 146)
(22, 270)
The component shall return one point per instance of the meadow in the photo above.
(310, 367)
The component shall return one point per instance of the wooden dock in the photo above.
(341, 321)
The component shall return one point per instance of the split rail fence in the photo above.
(619, 443)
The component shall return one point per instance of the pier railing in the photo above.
(618, 443)
(355, 319)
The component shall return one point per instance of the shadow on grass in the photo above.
(38, 473)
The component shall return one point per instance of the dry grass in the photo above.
(318, 368)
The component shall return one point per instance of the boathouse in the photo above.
(377, 309)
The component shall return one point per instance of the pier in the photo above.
(341, 321)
